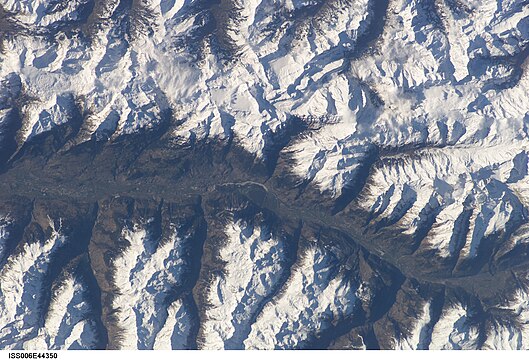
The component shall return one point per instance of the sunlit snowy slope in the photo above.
(260, 174)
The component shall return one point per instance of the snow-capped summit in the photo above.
(264, 174)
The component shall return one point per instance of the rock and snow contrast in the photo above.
(67, 321)
(264, 174)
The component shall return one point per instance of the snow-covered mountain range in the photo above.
(260, 174)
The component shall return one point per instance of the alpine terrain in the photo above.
(264, 174)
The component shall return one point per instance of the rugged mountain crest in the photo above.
(264, 174)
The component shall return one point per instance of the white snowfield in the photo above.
(455, 329)
(445, 83)
(254, 264)
(252, 305)
(452, 331)
(22, 281)
(4, 235)
(438, 97)
(407, 189)
(176, 329)
(142, 276)
(66, 325)
(309, 304)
